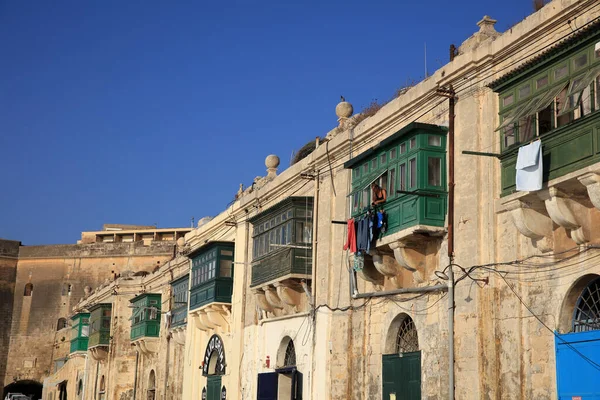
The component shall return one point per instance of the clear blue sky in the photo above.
(144, 112)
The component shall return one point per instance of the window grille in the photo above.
(587, 309)
(407, 340)
(289, 359)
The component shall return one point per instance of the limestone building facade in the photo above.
(46, 282)
(469, 289)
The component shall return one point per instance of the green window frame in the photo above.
(291, 225)
(529, 109)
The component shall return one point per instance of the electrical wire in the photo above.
(556, 335)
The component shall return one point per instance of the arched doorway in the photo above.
(401, 366)
(286, 382)
(62, 390)
(214, 367)
(27, 387)
(578, 349)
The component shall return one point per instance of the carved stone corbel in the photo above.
(410, 258)
(288, 295)
(591, 181)
(218, 316)
(272, 297)
(563, 210)
(147, 346)
(99, 353)
(179, 335)
(368, 272)
(198, 322)
(261, 299)
(387, 266)
(531, 222)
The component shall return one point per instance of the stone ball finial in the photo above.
(87, 290)
(181, 242)
(272, 161)
(344, 109)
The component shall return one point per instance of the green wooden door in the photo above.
(401, 376)
(213, 390)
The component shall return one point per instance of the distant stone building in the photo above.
(41, 284)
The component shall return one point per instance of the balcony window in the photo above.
(100, 317)
(80, 330)
(145, 315)
(562, 108)
(287, 249)
(567, 97)
(419, 167)
(179, 301)
(212, 272)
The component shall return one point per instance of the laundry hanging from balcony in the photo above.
(530, 167)
(364, 231)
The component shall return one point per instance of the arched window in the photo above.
(28, 289)
(586, 316)
(61, 324)
(151, 386)
(289, 360)
(80, 390)
(407, 340)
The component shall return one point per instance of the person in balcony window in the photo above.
(379, 194)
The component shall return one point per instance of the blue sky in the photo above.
(144, 112)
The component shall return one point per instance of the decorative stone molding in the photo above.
(369, 272)
(99, 353)
(179, 334)
(212, 317)
(148, 346)
(261, 299)
(532, 222)
(288, 295)
(591, 181)
(272, 297)
(563, 209)
(410, 257)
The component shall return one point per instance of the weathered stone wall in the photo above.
(35, 341)
(9, 251)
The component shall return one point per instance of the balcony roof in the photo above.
(413, 126)
(300, 200)
(207, 246)
(548, 55)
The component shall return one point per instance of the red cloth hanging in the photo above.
(351, 241)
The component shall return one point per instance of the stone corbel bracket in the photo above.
(273, 297)
(213, 317)
(532, 222)
(289, 295)
(563, 210)
(261, 300)
(147, 346)
(369, 273)
(591, 181)
(99, 353)
(178, 335)
(411, 258)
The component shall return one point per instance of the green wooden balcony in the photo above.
(555, 97)
(179, 301)
(282, 241)
(411, 166)
(566, 149)
(145, 320)
(100, 319)
(80, 329)
(282, 264)
(212, 274)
